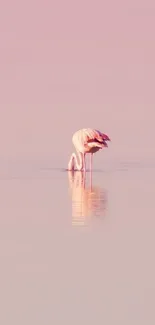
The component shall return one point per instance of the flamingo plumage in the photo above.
(86, 141)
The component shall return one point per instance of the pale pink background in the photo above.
(65, 65)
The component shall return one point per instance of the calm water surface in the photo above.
(76, 250)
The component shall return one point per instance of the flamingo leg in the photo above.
(91, 161)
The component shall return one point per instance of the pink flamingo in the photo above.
(86, 141)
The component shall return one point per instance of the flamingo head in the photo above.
(105, 139)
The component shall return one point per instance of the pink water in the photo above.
(76, 255)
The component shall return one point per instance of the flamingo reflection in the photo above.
(88, 201)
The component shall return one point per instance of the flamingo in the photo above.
(86, 141)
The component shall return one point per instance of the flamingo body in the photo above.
(86, 141)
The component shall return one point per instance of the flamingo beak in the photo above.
(105, 144)
(106, 138)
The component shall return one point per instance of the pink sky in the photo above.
(65, 65)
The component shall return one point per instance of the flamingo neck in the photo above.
(74, 162)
